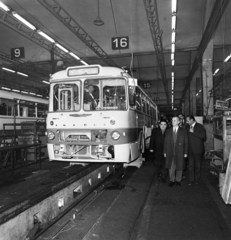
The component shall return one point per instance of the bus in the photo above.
(16, 107)
(97, 114)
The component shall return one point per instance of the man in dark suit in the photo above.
(89, 97)
(156, 147)
(197, 136)
(175, 151)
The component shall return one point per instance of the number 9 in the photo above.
(17, 52)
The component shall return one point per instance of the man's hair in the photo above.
(191, 117)
(163, 120)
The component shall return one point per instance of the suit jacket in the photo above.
(175, 152)
(196, 139)
(89, 98)
(157, 145)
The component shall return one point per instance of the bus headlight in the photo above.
(112, 122)
(115, 135)
(51, 135)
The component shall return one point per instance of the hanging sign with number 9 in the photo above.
(17, 52)
(120, 43)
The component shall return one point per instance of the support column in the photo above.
(207, 70)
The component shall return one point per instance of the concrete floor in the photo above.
(137, 206)
(186, 212)
(141, 208)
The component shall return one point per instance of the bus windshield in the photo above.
(99, 94)
(104, 94)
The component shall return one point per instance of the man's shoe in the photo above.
(191, 183)
(178, 184)
(171, 184)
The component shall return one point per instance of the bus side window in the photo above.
(132, 99)
(3, 109)
(138, 100)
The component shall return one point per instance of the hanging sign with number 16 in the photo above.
(17, 52)
(120, 43)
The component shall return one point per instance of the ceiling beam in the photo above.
(60, 13)
(13, 23)
(153, 20)
(214, 19)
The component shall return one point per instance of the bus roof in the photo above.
(88, 71)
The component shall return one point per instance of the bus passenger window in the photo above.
(138, 100)
(131, 92)
(3, 109)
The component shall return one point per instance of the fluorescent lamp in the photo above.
(173, 62)
(24, 92)
(173, 22)
(173, 47)
(6, 88)
(39, 95)
(32, 93)
(61, 47)
(83, 62)
(15, 90)
(200, 90)
(46, 82)
(197, 94)
(4, 7)
(23, 74)
(24, 21)
(7, 69)
(172, 74)
(174, 5)
(226, 60)
(172, 56)
(45, 36)
(173, 37)
(74, 56)
(216, 71)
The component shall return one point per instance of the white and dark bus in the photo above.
(17, 108)
(97, 114)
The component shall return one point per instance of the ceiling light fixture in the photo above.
(6, 88)
(23, 74)
(61, 47)
(74, 56)
(226, 60)
(216, 71)
(174, 5)
(83, 62)
(173, 22)
(7, 69)
(24, 21)
(46, 82)
(45, 36)
(4, 7)
(173, 47)
(98, 21)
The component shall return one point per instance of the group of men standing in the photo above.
(172, 146)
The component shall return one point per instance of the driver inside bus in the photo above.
(89, 97)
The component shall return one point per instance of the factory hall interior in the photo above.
(115, 119)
